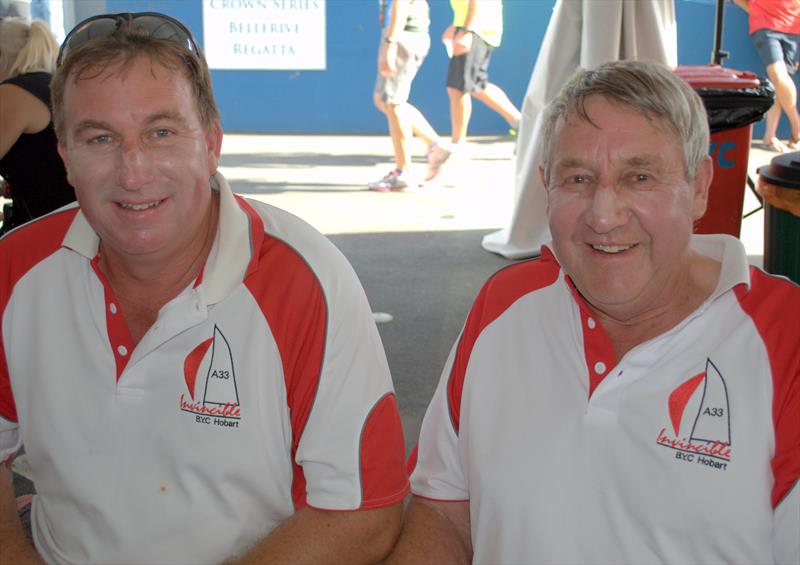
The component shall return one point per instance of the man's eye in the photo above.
(578, 180)
(162, 132)
(640, 179)
(100, 139)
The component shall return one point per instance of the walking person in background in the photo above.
(477, 30)
(404, 44)
(29, 161)
(775, 30)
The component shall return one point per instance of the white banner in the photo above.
(264, 34)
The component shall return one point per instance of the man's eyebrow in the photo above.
(166, 115)
(91, 124)
(570, 162)
(643, 160)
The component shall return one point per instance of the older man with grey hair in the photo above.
(631, 396)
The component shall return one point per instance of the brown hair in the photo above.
(122, 49)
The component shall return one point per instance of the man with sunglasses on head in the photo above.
(195, 377)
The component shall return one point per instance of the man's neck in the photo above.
(627, 329)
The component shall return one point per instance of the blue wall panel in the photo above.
(339, 99)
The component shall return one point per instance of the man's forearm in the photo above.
(14, 544)
(316, 536)
(434, 532)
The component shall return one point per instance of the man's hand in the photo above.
(14, 544)
(387, 65)
(779, 197)
(462, 41)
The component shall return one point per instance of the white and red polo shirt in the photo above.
(261, 388)
(686, 450)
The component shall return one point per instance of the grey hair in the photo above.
(648, 88)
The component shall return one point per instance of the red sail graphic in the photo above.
(680, 397)
(192, 363)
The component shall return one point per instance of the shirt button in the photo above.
(599, 367)
(591, 323)
(122, 350)
(112, 308)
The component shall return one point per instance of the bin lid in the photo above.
(783, 170)
(714, 76)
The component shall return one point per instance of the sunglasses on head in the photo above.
(153, 24)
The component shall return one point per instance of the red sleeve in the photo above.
(773, 304)
(383, 474)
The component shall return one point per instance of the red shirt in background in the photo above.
(778, 15)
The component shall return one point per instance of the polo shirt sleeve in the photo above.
(10, 439)
(787, 528)
(437, 472)
(350, 451)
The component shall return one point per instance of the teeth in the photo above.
(611, 248)
(139, 206)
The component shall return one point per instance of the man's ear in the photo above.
(62, 152)
(214, 146)
(545, 185)
(700, 185)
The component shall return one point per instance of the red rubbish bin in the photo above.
(734, 100)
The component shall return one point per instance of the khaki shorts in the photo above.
(412, 47)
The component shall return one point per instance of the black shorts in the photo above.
(469, 72)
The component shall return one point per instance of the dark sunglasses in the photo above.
(153, 24)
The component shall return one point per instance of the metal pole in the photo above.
(719, 55)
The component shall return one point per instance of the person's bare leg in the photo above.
(460, 113)
(770, 138)
(494, 97)
(786, 95)
(400, 131)
(420, 126)
(379, 104)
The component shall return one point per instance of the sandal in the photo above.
(775, 145)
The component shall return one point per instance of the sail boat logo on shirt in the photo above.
(700, 420)
(211, 381)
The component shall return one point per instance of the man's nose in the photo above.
(135, 168)
(608, 209)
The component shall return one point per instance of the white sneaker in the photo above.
(437, 156)
(393, 182)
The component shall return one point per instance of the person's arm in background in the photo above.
(20, 112)
(14, 544)
(743, 4)
(784, 198)
(317, 536)
(434, 532)
(397, 22)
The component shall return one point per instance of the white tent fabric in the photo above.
(581, 34)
